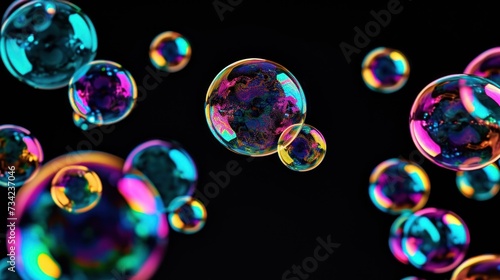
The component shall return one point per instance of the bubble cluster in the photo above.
(170, 51)
(485, 267)
(481, 184)
(301, 147)
(186, 214)
(20, 149)
(396, 237)
(43, 43)
(486, 65)
(167, 165)
(398, 185)
(250, 103)
(76, 189)
(102, 92)
(454, 122)
(435, 240)
(385, 70)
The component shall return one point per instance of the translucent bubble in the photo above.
(396, 237)
(20, 156)
(481, 184)
(486, 65)
(480, 267)
(301, 147)
(167, 165)
(385, 70)
(82, 123)
(454, 122)
(124, 234)
(170, 51)
(398, 185)
(102, 92)
(43, 42)
(250, 103)
(435, 240)
(187, 214)
(76, 189)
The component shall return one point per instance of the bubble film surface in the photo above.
(486, 65)
(485, 267)
(435, 240)
(167, 165)
(20, 149)
(12, 7)
(43, 43)
(454, 122)
(102, 92)
(82, 123)
(481, 184)
(5, 273)
(397, 186)
(187, 215)
(76, 189)
(396, 237)
(301, 147)
(250, 103)
(385, 70)
(124, 234)
(170, 51)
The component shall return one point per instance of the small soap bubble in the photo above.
(301, 147)
(396, 237)
(22, 152)
(486, 65)
(250, 103)
(186, 214)
(480, 267)
(481, 184)
(454, 122)
(43, 43)
(76, 189)
(385, 70)
(170, 51)
(102, 92)
(435, 240)
(398, 185)
(82, 123)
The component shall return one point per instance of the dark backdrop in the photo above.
(269, 218)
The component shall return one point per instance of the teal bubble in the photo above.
(480, 184)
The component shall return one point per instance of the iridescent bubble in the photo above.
(43, 43)
(186, 214)
(8, 268)
(82, 123)
(103, 92)
(398, 185)
(454, 122)
(250, 103)
(485, 267)
(481, 184)
(167, 165)
(76, 189)
(396, 237)
(385, 70)
(486, 65)
(170, 51)
(125, 233)
(19, 151)
(435, 240)
(301, 147)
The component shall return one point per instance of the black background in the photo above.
(268, 218)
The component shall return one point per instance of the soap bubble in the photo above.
(481, 184)
(43, 43)
(301, 147)
(125, 232)
(398, 185)
(486, 65)
(485, 267)
(385, 70)
(454, 122)
(435, 240)
(102, 92)
(170, 51)
(250, 103)
(186, 214)
(18, 148)
(396, 237)
(167, 165)
(76, 189)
